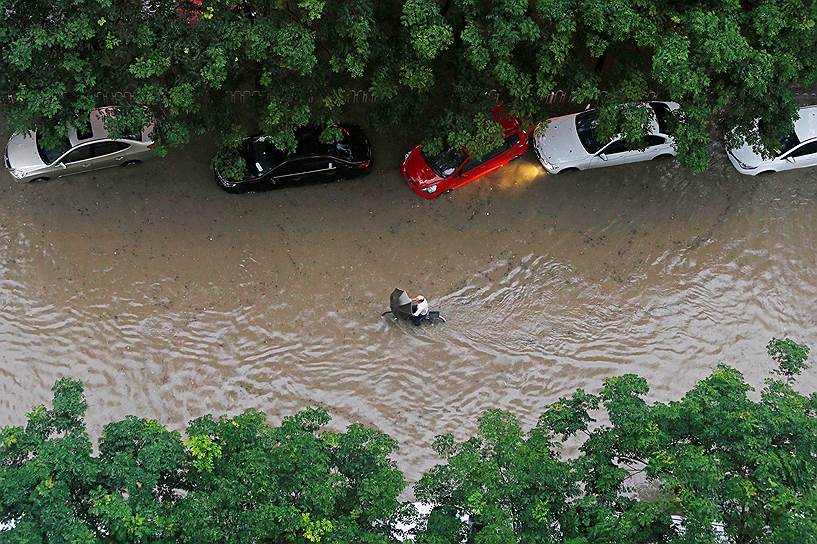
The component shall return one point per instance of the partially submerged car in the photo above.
(86, 149)
(570, 142)
(796, 150)
(268, 167)
(431, 176)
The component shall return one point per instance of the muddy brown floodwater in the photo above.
(171, 299)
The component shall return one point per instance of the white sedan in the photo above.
(797, 150)
(569, 142)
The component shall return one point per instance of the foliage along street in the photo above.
(717, 457)
(436, 65)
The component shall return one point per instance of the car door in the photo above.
(656, 145)
(304, 169)
(802, 156)
(499, 157)
(76, 161)
(321, 169)
(108, 153)
(617, 152)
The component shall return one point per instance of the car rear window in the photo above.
(341, 150)
(84, 131)
(663, 115)
(309, 144)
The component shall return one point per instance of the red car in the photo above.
(430, 177)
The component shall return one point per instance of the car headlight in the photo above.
(742, 165)
(546, 163)
(430, 189)
(17, 174)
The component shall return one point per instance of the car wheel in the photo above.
(37, 180)
(130, 163)
(662, 157)
(234, 188)
(766, 173)
(569, 170)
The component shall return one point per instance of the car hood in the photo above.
(22, 152)
(746, 155)
(558, 143)
(418, 169)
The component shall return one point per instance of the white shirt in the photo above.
(421, 309)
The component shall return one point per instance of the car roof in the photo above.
(654, 128)
(806, 126)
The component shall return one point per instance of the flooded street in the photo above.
(171, 299)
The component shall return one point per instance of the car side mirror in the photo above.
(331, 166)
(603, 156)
(62, 165)
(790, 159)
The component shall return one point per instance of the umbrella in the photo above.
(400, 302)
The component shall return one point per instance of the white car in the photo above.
(569, 142)
(797, 150)
(86, 149)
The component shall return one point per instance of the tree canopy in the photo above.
(717, 458)
(232, 479)
(723, 460)
(439, 63)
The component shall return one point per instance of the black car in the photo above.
(312, 162)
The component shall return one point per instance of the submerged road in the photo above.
(171, 299)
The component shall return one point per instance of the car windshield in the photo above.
(445, 163)
(263, 156)
(787, 142)
(50, 155)
(586, 129)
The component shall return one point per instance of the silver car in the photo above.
(87, 148)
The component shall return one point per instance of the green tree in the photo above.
(235, 479)
(442, 63)
(726, 62)
(47, 472)
(59, 57)
(722, 456)
(719, 456)
(512, 486)
(288, 483)
(716, 458)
